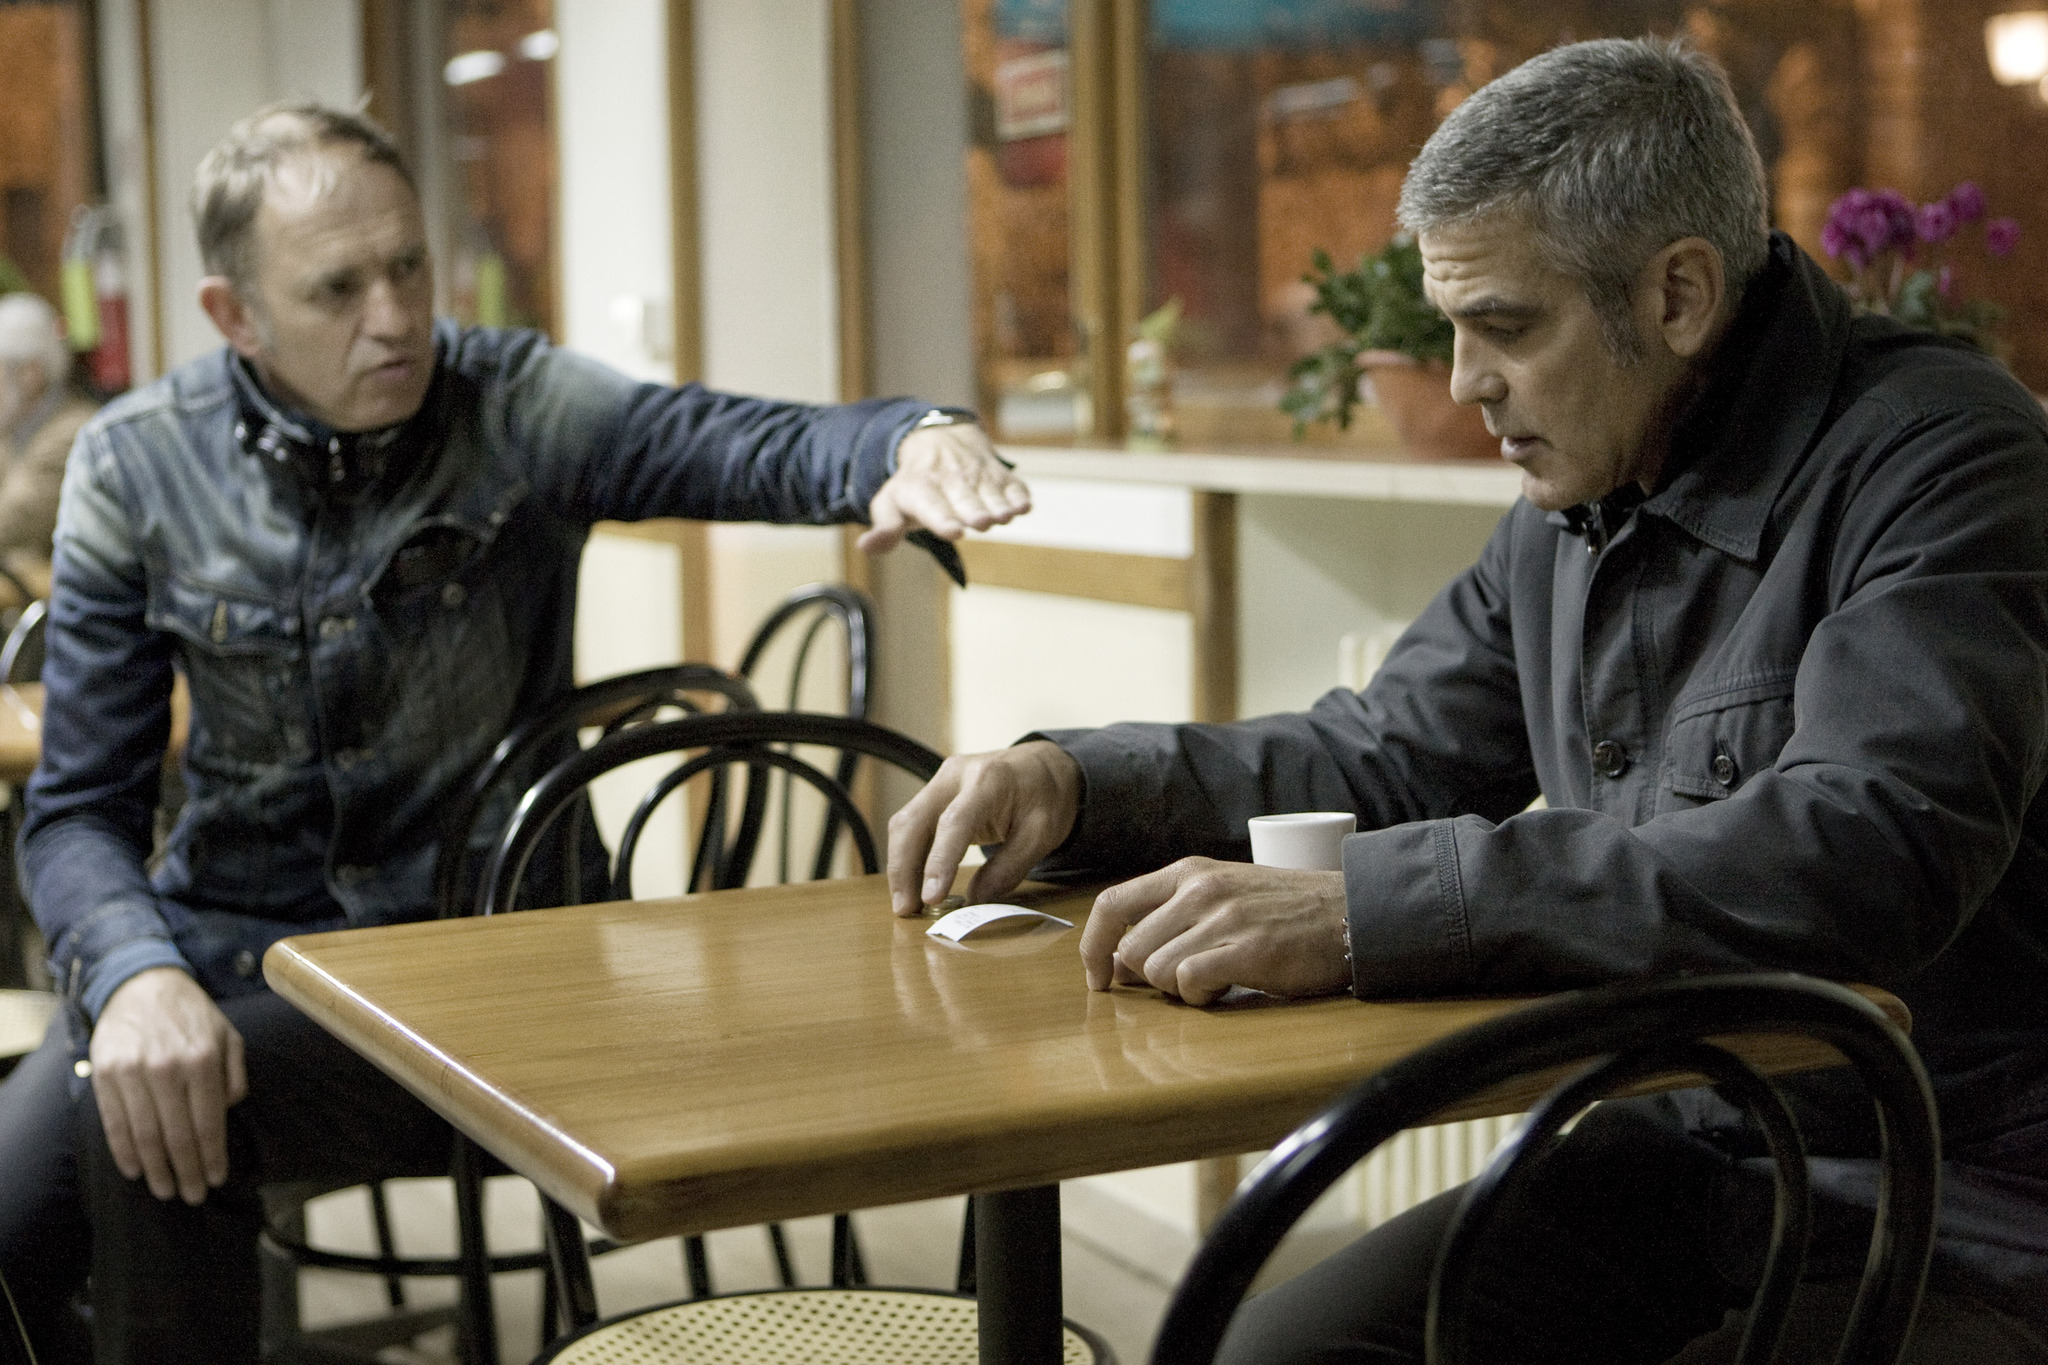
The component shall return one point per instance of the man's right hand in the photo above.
(166, 1064)
(1024, 798)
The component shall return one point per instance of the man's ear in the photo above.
(231, 314)
(1684, 288)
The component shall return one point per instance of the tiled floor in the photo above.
(910, 1244)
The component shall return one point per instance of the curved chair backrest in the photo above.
(1633, 1031)
(732, 738)
(821, 602)
(813, 606)
(21, 657)
(612, 704)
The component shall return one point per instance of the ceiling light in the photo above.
(2017, 45)
(540, 45)
(473, 66)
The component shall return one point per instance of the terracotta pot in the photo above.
(1417, 401)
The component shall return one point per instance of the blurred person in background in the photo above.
(40, 414)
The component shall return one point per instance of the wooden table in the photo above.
(675, 1066)
(21, 731)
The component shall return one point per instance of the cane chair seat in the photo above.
(803, 1327)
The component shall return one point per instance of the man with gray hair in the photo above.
(40, 414)
(356, 532)
(1768, 631)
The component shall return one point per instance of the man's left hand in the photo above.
(947, 480)
(1199, 927)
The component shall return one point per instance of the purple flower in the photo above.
(2001, 235)
(1834, 238)
(1967, 199)
(1946, 283)
(1872, 229)
(1935, 222)
(1898, 212)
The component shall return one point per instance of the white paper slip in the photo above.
(958, 924)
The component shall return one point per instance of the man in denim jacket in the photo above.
(356, 533)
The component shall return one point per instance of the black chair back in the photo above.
(14, 1347)
(21, 657)
(735, 737)
(1634, 1031)
(812, 607)
(612, 704)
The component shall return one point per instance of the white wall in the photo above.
(770, 281)
(124, 125)
(214, 62)
(764, 111)
(611, 88)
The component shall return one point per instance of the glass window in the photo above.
(1032, 370)
(56, 239)
(1270, 128)
(500, 113)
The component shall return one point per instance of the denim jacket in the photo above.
(359, 622)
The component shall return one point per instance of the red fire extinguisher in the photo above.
(95, 285)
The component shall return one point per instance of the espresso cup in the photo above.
(1311, 840)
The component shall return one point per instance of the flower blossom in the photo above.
(1967, 199)
(1936, 222)
(2001, 235)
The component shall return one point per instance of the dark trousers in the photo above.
(1635, 1245)
(171, 1283)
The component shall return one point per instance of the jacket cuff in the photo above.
(1120, 801)
(130, 959)
(1405, 902)
(874, 459)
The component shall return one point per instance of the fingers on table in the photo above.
(1169, 929)
(911, 833)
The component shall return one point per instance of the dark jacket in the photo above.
(1791, 711)
(360, 621)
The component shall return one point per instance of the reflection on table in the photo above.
(710, 1061)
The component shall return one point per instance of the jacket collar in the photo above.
(320, 460)
(1772, 381)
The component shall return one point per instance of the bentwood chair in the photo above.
(1627, 1034)
(14, 1347)
(839, 1322)
(480, 811)
(805, 614)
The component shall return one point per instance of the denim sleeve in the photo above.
(92, 801)
(610, 449)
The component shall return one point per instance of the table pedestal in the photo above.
(1017, 1276)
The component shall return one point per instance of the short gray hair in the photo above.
(241, 168)
(29, 330)
(1611, 151)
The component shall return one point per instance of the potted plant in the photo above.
(1898, 253)
(1397, 341)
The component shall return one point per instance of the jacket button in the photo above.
(1610, 758)
(245, 964)
(454, 595)
(1724, 769)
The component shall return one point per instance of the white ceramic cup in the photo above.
(1311, 840)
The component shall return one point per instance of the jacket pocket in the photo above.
(241, 657)
(1721, 740)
